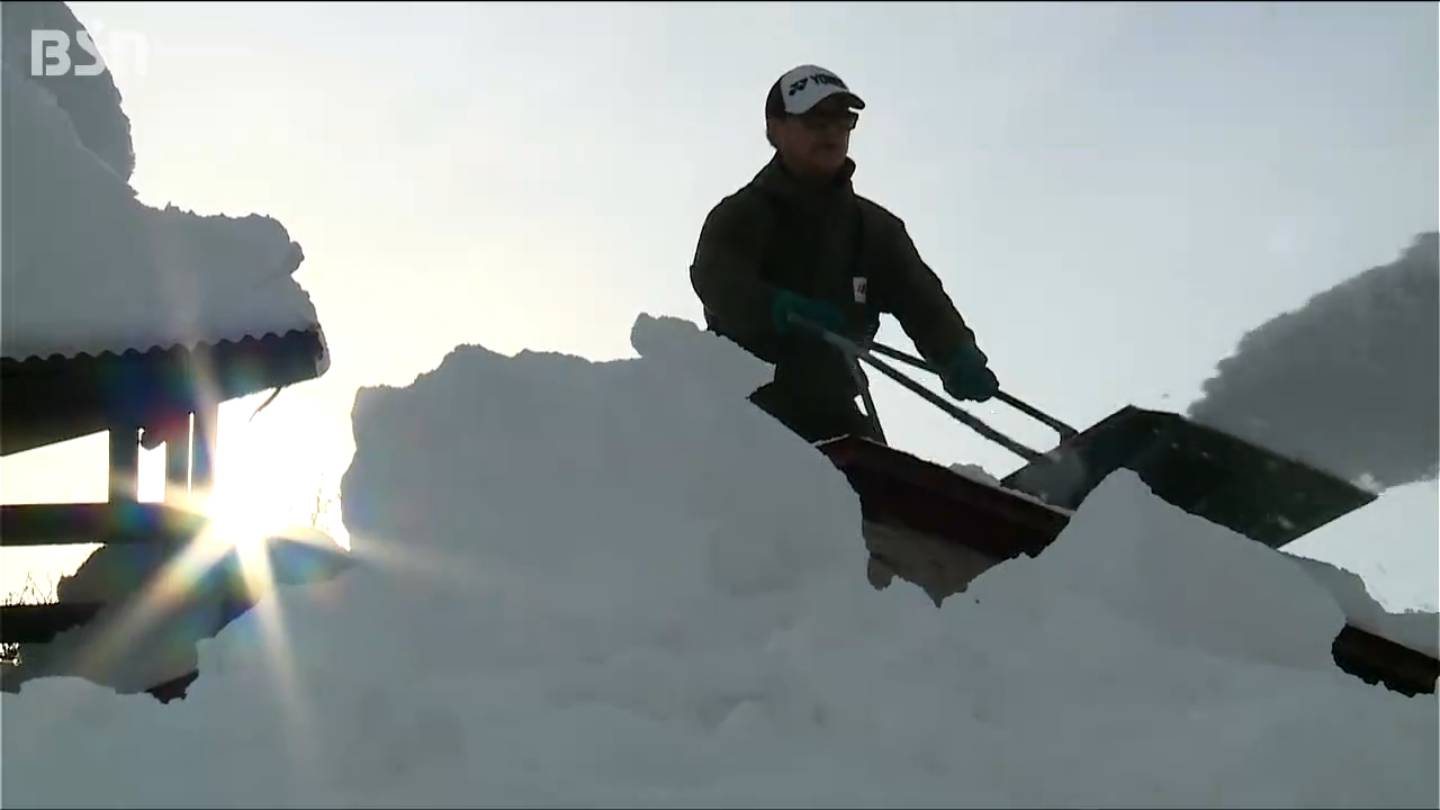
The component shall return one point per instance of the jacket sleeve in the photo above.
(919, 301)
(726, 270)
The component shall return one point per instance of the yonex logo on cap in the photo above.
(818, 78)
(801, 88)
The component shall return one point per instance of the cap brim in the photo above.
(851, 100)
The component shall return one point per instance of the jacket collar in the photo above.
(778, 180)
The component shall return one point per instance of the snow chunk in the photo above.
(978, 474)
(1347, 382)
(975, 473)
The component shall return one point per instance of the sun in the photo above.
(226, 562)
(254, 496)
(237, 521)
(251, 503)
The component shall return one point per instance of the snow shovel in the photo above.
(1206, 472)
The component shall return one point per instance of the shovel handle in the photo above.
(858, 352)
(970, 421)
(1063, 429)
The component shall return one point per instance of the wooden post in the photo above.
(177, 462)
(125, 463)
(202, 464)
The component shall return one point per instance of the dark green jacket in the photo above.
(825, 243)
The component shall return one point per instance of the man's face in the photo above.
(816, 143)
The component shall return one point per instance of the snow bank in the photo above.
(1347, 382)
(621, 584)
(88, 268)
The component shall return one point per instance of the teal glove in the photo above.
(966, 375)
(822, 313)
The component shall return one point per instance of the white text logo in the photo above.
(51, 54)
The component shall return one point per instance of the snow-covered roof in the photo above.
(88, 268)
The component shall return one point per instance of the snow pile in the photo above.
(621, 584)
(1348, 382)
(1391, 543)
(89, 268)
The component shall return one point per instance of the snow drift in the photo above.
(621, 584)
(1348, 382)
(89, 268)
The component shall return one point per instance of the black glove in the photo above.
(966, 375)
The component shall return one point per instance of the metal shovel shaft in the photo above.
(1063, 429)
(970, 421)
(859, 352)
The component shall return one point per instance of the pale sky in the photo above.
(1113, 194)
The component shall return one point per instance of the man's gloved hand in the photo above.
(822, 313)
(966, 375)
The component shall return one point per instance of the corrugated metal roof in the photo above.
(44, 400)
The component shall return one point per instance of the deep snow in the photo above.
(621, 584)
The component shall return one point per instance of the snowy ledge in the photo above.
(87, 268)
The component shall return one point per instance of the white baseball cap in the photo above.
(803, 87)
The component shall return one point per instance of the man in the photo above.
(797, 240)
